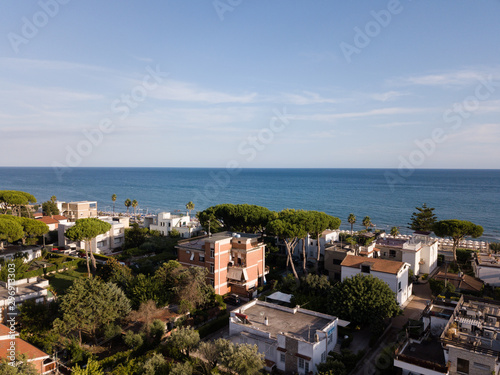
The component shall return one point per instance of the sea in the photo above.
(387, 196)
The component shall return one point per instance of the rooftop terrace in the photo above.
(302, 324)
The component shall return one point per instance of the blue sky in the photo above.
(279, 83)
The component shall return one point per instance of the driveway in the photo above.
(418, 302)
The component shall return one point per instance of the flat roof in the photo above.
(283, 320)
(428, 351)
(199, 242)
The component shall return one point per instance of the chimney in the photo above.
(266, 321)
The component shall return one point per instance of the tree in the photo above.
(134, 205)
(89, 304)
(289, 226)
(22, 366)
(184, 339)
(53, 199)
(49, 208)
(156, 365)
(86, 230)
(32, 228)
(92, 368)
(423, 219)
(394, 231)
(190, 207)
(318, 222)
(15, 200)
(351, 219)
(244, 359)
(113, 198)
(128, 203)
(495, 247)
(367, 222)
(181, 369)
(363, 300)
(10, 230)
(457, 230)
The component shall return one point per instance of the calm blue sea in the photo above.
(456, 194)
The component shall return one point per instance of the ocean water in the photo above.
(386, 196)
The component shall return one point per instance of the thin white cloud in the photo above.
(188, 92)
(374, 112)
(488, 133)
(307, 98)
(398, 124)
(387, 96)
(457, 78)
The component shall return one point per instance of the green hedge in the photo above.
(54, 267)
(214, 325)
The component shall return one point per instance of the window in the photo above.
(392, 253)
(307, 367)
(365, 269)
(282, 357)
(399, 286)
(301, 363)
(202, 257)
(211, 268)
(192, 256)
(337, 262)
(462, 366)
(323, 357)
(482, 367)
(212, 253)
(330, 337)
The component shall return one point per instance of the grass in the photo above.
(62, 281)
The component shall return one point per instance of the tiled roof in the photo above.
(47, 220)
(21, 347)
(465, 282)
(60, 217)
(377, 264)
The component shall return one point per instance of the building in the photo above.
(78, 210)
(394, 273)
(311, 244)
(164, 222)
(102, 244)
(420, 251)
(28, 252)
(487, 268)
(293, 340)
(52, 221)
(25, 289)
(10, 343)
(463, 283)
(334, 255)
(458, 338)
(235, 261)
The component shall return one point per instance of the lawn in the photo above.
(62, 281)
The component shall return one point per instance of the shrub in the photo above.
(112, 330)
(133, 340)
(214, 325)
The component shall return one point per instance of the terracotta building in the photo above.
(235, 261)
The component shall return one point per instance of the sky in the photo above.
(257, 83)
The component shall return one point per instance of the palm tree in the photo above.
(134, 206)
(113, 198)
(394, 231)
(190, 207)
(367, 222)
(128, 203)
(351, 220)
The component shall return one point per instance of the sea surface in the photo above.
(388, 196)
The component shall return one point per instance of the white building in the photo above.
(29, 252)
(393, 273)
(25, 289)
(327, 237)
(164, 222)
(104, 243)
(420, 251)
(487, 268)
(293, 340)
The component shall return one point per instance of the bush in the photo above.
(214, 325)
(133, 340)
(346, 342)
(425, 276)
(111, 330)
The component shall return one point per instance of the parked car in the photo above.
(232, 299)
